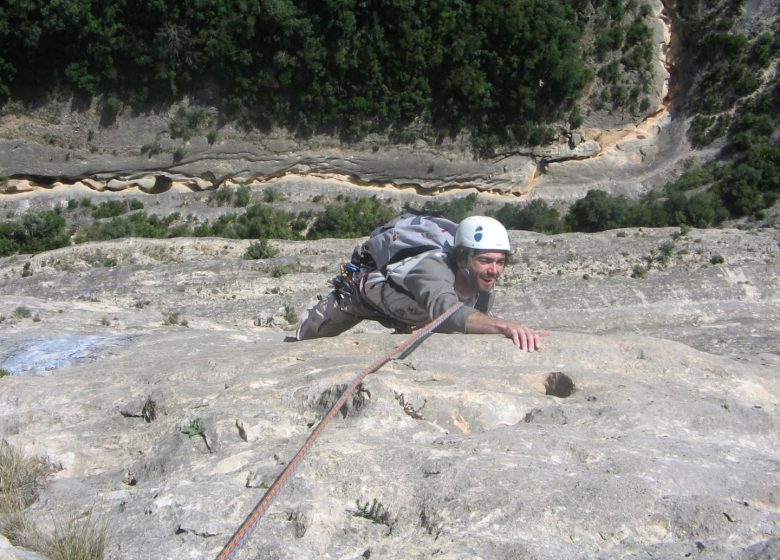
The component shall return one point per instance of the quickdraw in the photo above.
(241, 536)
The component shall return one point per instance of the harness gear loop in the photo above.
(244, 532)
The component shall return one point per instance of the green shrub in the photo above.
(109, 209)
(188, 122)
(638, 271)
(151, 149)
(455, 210)
(290, 314)
(355, 218)
(260, 249)
(534, 216)
(598, 211)
(242, 197)
(221, 196)
(272, 195)
(22, 312)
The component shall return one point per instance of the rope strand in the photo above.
(244, 532)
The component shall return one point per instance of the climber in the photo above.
(411, 292)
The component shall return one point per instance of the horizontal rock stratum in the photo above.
(666, 448)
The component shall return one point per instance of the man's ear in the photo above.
(462, 258)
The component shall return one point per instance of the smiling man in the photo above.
(414, 291)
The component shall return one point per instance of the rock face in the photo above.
(666, 447)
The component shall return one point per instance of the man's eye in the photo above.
(491, 261)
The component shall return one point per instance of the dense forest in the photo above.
(503, 71)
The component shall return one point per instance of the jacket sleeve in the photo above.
(432, 283)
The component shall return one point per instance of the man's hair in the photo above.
(460, 255)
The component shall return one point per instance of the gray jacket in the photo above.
(428, 283)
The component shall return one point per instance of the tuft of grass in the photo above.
(175, 319)
(80, 538)
(22, 312)
(290, 314)
(639, 271)
(20, 478)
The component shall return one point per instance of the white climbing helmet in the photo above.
(482, 233)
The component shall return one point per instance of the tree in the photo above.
(598, 211)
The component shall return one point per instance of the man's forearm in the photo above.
(523, 337)
(482, 323)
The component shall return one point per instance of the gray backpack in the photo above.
(408, 235)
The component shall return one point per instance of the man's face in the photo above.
(486, 267)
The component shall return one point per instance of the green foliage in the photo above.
(260, 249)
(220, 196)
(290, 314)
(598, 211)
(355, 218)
(239, 197)
(638, 271)
(133, 225)
(242, 197)
(22, 312)
(174, 319)
(716, 259)
(272, 195)
(455, 210)
(33, 233)
(193, 428)
(109, 209)
(730, 66)
(534, 216)
(345, 67)
(375, 512)
(188, 122)
(151, 149)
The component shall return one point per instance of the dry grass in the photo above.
(80, 538)
(77, 539)
(20, 478)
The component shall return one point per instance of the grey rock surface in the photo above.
(666, 448)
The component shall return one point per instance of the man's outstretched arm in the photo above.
(523, 337)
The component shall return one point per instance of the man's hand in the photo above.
(524, 338)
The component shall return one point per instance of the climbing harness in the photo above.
(241, 536)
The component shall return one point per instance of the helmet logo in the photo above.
(478, 234)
